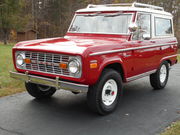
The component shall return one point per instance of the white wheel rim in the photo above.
(163, 73)
(109, 92)
(45, 88)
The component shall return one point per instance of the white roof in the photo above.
(121, 7)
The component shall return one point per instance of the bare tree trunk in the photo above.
(5, 36)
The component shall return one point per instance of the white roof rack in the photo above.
(135, 4)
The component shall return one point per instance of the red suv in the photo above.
(105, 46)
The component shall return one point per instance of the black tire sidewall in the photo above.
(155, 78)
(167, 75)
(109, 74)
(34, 91)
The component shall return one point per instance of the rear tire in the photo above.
(159, 79)
(39, 91)
(103, 97)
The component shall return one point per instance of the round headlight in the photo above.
(74, 66)
(19, 60)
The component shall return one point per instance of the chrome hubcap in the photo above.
(109, 92)
(163, 73)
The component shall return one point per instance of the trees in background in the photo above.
(11, 17)
(51, 18)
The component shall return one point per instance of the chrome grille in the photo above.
(47, 62)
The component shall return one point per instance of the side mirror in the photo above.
(146, 36)
(133, 27)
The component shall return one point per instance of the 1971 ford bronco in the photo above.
(105, 46)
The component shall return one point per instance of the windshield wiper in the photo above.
(105, 15)
(114, 14)
(91, 15)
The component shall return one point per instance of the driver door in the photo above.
(144, 58)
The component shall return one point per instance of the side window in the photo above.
(163, 27)
(144, 26)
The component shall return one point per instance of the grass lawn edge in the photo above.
(172, 129)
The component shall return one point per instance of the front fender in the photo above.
(103, 61)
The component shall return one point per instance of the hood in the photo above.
(67, 44)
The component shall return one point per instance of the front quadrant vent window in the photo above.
(144, 26)
(163, 27)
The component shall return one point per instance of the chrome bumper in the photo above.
(50, 82)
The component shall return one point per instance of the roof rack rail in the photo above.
(135, 4)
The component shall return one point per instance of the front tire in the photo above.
(39, 91)
(159, 79)
(103, 97)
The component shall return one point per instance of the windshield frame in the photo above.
(82, 14)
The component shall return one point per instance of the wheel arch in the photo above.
(117, 66)
(167, 60)
(170, 59)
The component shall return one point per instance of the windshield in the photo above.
(101, 23)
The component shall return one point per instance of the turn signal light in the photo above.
(93, 65)
(27, 61)
(63, 65)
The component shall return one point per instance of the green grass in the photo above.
(178, 58)
(174, 129)
(7, 85)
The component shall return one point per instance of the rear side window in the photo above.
(163, 27)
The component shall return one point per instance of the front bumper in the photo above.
(50, 82)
